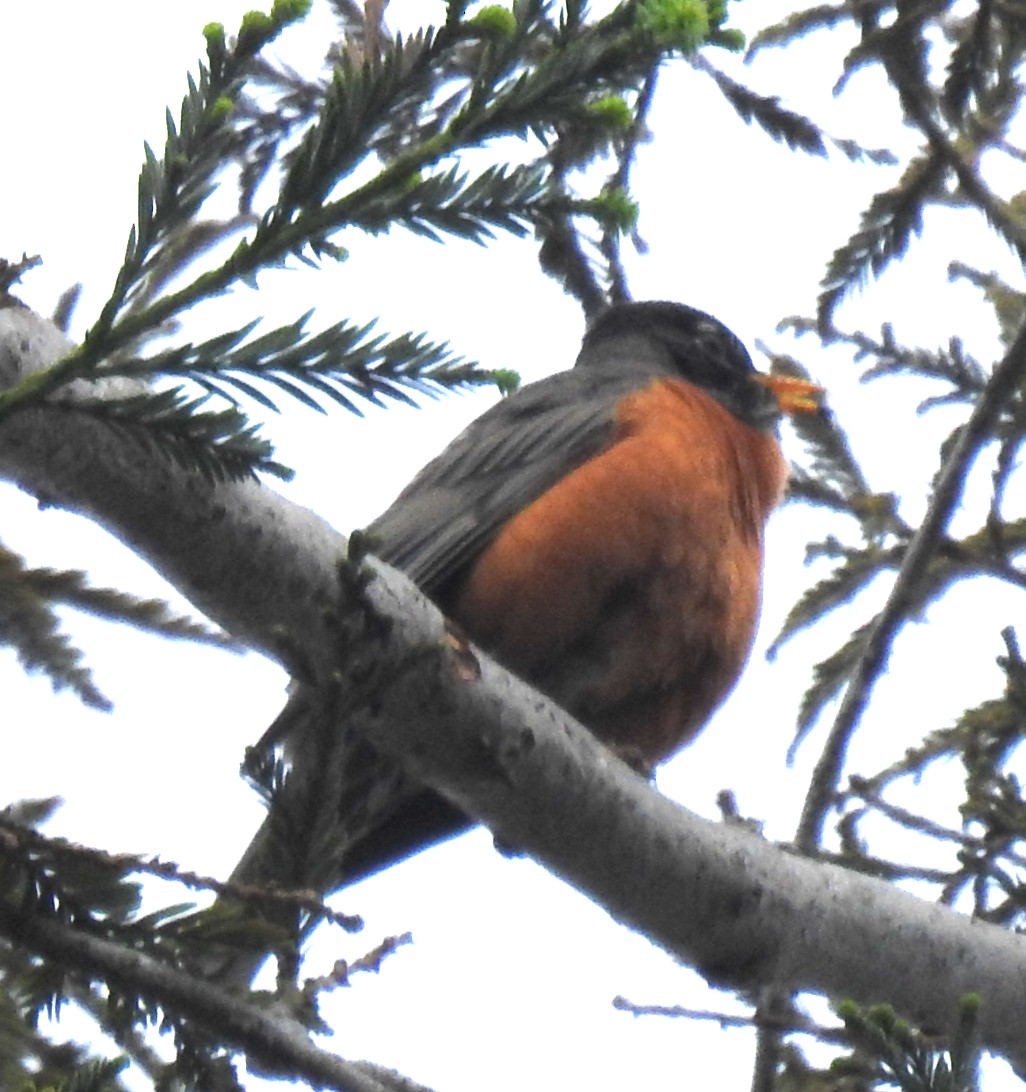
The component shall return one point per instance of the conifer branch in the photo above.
(873, 658)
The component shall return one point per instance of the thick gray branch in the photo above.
(745, 912)
(258, 565)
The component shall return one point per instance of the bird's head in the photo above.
(673, 339)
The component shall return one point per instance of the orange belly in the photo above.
(630, 591)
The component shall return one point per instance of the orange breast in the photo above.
(630, 591)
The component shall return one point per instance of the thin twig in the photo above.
(621, 180)
(791, 1023)
(921, 825)
(129, 863)
(272, 1038)
(976, 431)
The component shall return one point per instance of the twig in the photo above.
(977, 429)
(919, 823)
(272, 1038)
(343, 970)
(792, 1022)
(128, 863)
(620, 180)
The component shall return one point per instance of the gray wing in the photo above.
(497, 466)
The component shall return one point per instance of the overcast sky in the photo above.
(511, 977)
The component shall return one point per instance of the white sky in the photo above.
(511, 977)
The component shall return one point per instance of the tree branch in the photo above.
(271, 1038)
(744, 912)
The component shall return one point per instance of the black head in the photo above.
(690, 344)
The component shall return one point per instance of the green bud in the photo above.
(285, 12)
(256, 31)
(213, 33)
(846, 1067)
(969, 1004)
(883, 1016)
(495, 21)
(674, 24)
(717, 11)
(506, 380)
(730, 39)
(617, 206)
(612, 111)
(221, 108)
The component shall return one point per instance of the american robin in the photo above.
(600, 534)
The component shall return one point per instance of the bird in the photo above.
(600, 534)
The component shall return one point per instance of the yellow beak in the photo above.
(793, 395)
